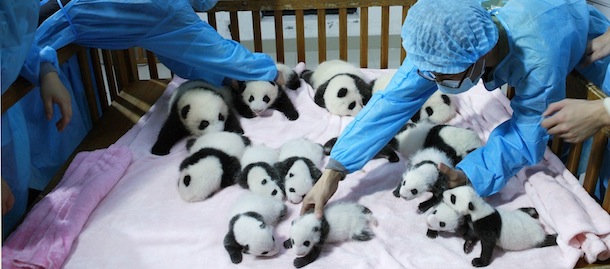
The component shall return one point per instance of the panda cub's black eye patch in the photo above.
(272, 83)
(291, 190)
(266, 99)
(429, 111)
(352, 105)
(204, 124)
(442, 224)
(265, 253)
(187, 180)
(185, 111)
(221, 117)
(342, 92)
(251, 98)
(453, 199)
(291, 175)
(264, 182)
(306, 243)
(414, 191)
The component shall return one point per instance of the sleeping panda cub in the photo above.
(341, 222)
(455, 141)
(258, 174)
(196, 108)
(507, 229)
(254, 97)
(212, 165)
(298, 164)
(251, 228)
(339, 86)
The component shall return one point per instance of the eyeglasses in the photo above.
(450, 83)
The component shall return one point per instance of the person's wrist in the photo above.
(606, 107)
(333, 176)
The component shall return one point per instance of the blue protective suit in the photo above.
(540, 56)
(188, 46)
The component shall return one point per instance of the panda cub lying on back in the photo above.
(196, 108)
(341, 222)
(254, 97)
(251, 227)
(507, 229)
(339, 87)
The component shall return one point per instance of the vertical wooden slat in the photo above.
(300, 24)
(99, 78)
(385, 37)
(364, 37)
(321, 35)
(556, 145)
(83, 62)
(212, 19)
(279, 36)
(343, 34)
(234, 26)
(403, 53)
(110, 75)
(132, 64)
(595, 161)
(152, 65)
(606, 202)
(510, 92)
(574, 158)
(120, 68)
(256, 25)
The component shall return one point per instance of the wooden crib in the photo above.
(125, 96)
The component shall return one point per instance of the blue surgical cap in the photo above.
(447, 36)
(203, 5)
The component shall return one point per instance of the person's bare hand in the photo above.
(321, 192)
(456, 177)
(575, 120)
(597, 48)
(8, 200)
(53, 91)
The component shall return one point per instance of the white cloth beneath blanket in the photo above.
(143, 222)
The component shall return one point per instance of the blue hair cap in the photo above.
(447, 36)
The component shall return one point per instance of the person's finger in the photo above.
(66, 112)
(319, 210)
(549, 123)
(48, 108)
(306, 206)
(554, 107)
(450, 173)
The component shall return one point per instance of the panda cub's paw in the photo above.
(431, 233)
(469, 246)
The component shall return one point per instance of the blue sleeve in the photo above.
(193, 49)
(381, 118)
(520, 141)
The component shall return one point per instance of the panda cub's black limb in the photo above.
(254, 97)
(196, 108)
(387, 152)
(291, 78)
(456, 142)
(508, 229)
(341, 222)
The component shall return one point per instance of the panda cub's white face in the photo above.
(305, 232)
(418, 180)
(342, 96)
(443, 218)
(259, 95)
(200, 180)
(259, 181)
(202, 112)
(298, 182)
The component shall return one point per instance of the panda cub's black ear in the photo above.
(185, 111)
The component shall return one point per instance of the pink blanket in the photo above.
(46, 236)
(143, 222)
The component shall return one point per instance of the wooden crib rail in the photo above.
(257, 6)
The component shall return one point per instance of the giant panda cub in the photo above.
(298, 164)
(254, 97)
(251, 227)
(443, 144)
(291, 78)
(341, 222)
(212, 165)
(196, 108)
(258, 174)
(339, 86)
(507, 229)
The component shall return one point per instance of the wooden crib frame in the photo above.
(125, 97)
